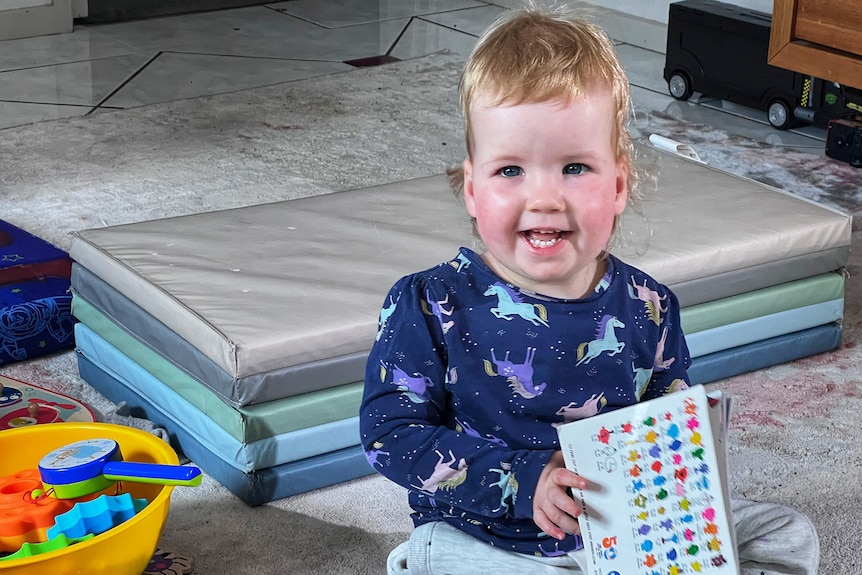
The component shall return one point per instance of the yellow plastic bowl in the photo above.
(123, 550)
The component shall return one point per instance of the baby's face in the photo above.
(544, 185)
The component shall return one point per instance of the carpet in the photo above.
(795, 433)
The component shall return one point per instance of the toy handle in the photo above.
(152, 473)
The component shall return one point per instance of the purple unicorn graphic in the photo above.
(413, 386)
(373, 454)
(465, 427)
(433, 307)
(519, 375)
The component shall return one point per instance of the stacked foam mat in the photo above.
(244, 332)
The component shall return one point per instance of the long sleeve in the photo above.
(672, 358)
(408, 426)
(469, 378)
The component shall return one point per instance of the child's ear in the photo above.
(469, 197)
(621, 199)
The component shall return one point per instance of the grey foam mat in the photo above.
(293, 283)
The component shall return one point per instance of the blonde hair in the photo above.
(534, 55)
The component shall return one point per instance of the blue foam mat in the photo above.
(764, 327)
(267, 452)
(762, 354)
(255, 487)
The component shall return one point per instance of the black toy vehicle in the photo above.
(844, 140)
(720, 50)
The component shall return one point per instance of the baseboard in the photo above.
(104, 11)
(26, 22)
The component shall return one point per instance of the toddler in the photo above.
(479, 359)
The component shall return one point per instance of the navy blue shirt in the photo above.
(469, 378)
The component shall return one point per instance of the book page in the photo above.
(719, 410)
(656, 504)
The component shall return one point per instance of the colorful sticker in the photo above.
(665, 465)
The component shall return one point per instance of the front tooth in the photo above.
(543, 243)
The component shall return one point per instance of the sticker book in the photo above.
(657, 503)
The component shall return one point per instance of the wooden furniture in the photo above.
(821, 39)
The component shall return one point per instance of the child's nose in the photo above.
(545, 195)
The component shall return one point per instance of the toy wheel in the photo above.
(778, 114)
(676, 110)
(679, 86)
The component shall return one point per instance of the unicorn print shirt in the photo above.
(469, 378)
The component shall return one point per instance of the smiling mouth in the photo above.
(544, 238)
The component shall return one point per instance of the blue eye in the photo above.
(574, 169)
(511, 171)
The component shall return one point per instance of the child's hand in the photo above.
(554, 510)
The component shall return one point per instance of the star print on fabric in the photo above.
(12, 257)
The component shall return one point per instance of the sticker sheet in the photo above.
(657, 502)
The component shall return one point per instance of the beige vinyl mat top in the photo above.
(265, 287)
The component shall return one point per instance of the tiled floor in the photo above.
(131, 64)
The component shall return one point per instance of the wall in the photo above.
(16, 4)
(26, 18)
(79, 7)
(104, 11)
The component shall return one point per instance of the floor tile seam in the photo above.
(95, 35)
(451, 11)
(40, 103)
(252, 57)
(272, 8)
(423, 19)
(71, 62)
(306, 20)
(102, 105)
(410, 17)
(124, 83)
(618, 43)
(397, 39)
(659, 92)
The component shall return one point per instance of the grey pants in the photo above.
(772, 539)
